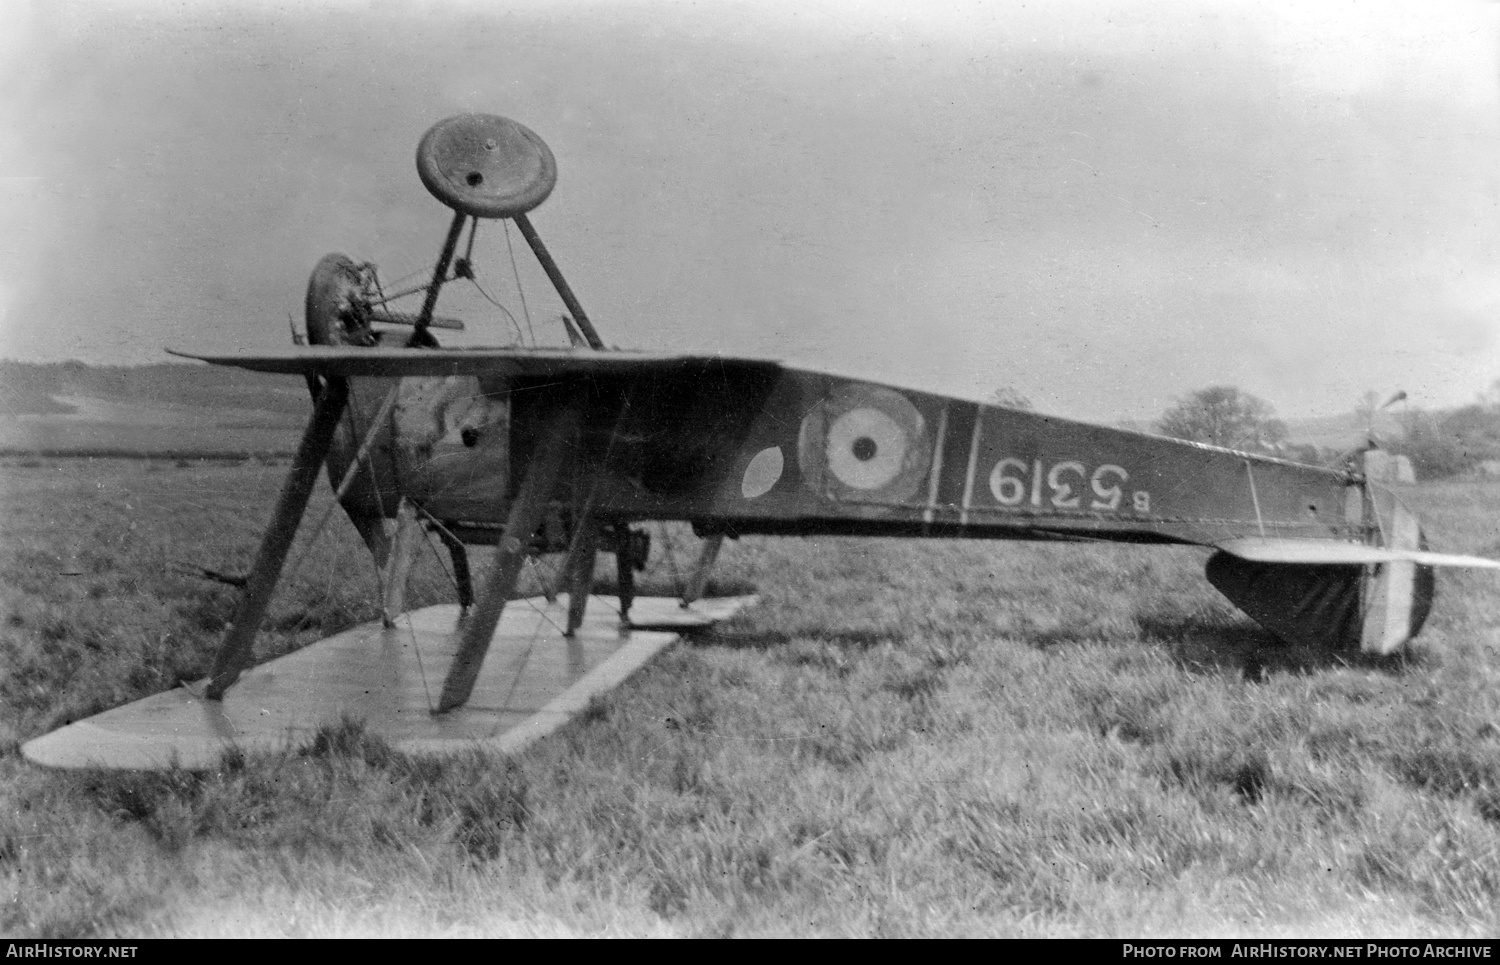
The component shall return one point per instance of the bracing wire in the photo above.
(469, 251)
(538, 609)
(467, 272)
(438, 524)
(385, 413)
(361, 454)
(678, 582)
(520, 336)
(424, 273)
(452, 581)
(403, 293)
(516, 271)
(416, 649)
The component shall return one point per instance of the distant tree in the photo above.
(1452, 442)
(1309, 454)
(1008, 396)
(1222, 415)
(1472, 433)
(1434, 451)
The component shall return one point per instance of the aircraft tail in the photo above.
(1372, 595)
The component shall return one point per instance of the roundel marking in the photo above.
(866, 448)
(762, 473)
(871, 442)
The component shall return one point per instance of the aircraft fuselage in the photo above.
(751, 447)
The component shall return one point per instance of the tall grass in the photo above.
(905, 738)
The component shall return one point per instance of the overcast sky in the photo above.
(1102, 205)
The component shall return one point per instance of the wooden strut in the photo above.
(460, 557)
(544, 258)
(237, 650)
(698, 581)
(398, 564)
(419, 336)
(577, 575)
(578, 570)
(525, 517)
(624, 570)
(1260, 521)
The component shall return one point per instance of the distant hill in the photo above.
(180, 384)
(1339, 433)
(166, 409)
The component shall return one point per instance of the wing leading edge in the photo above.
(350, 361)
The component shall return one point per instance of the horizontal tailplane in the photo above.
(1262, 549)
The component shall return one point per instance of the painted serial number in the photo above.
(1064, 485)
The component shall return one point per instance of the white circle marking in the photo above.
(850, 440)
(763, 472)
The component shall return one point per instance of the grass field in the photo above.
(906, 738)
(157, 410)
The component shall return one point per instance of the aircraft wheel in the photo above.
(486, 166)
(338, 307)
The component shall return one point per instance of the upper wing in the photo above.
(513, 362)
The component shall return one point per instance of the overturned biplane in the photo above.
(530, 449)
